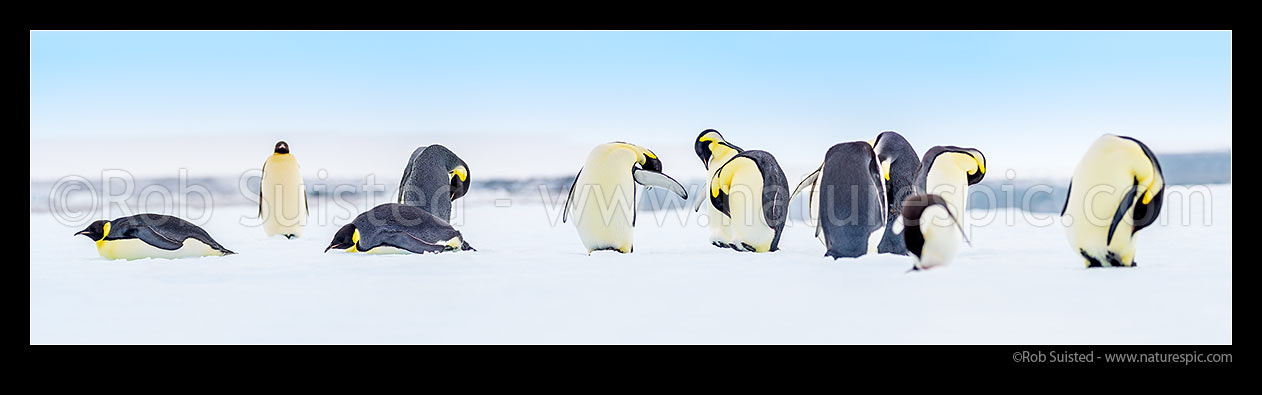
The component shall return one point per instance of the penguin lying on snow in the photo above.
(931, 231)
(394, 228)
(605, 207)
(751, 191)
(433, 178)
(847, 200)
(282, 196)
(715, 151)
(151, 236)
(1116, 190)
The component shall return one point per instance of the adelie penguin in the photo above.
(433, 178)
(899, 163)
(602, 199)
(931, 231)
(282, 196)
(151, 236)
(714, 152)
(947, 171)
(847, 200)
(394, 228)
(750, 190)
(1116, 190)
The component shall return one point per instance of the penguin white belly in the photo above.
(605, 197)
(952, 185)
(942, 238)
(749, 224)
(1096, 192)
(720, 225)
(284, 199)
(137, 249)
(387, 250)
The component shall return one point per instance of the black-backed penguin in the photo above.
(282, 195)
(750, 190)
(931, 231)
(947, 171)
(899, 162)
(151, 236)
(433, 178)
(847, 200)
(1115, 191)
(603, 196)
(394, 228)
(715, 151)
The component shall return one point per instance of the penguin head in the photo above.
(96, 230)
(969, 160)
(281, 147)
(708, 142)
(976, 173)
(459, 180)
(345, 238)
(891, 147)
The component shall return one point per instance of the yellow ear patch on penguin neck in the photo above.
(354, 242)
(104, 233)
(462, 172)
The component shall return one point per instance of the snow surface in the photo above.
(531, 282)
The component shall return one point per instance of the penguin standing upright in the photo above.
(715, 151)
(899, 163)
(847, 200)
(603, 196)
(394, 228)
(282, 195)
(151, 236)
(1117, 189)
(931, 231)
(433, 178)
(947, 171)
(752, 192)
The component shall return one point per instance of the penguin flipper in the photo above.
(656, 179)
(154, 237)
(407, 241)
(1122, 208)
(808, 181)
(261, 172)
(565, 213)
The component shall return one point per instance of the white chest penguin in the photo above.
(931, 230)
(602, 199)
(714, 152)
(282, 195)
(1117, 189)
(947, 171)
(151, 236)
(752, 192)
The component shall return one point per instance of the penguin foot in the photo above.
(749, 248)
(290, 236)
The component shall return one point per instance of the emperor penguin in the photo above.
(1116, 190)
(151, 236)
(433, 178)
(282, 196)
(603, 196)
(899, 163)
(947, 171)
(715, 151)
(750, 190)
(394, 228)
(931, 231)
(847, 200)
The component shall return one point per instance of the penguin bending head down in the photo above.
(931, 231)
(1117, 189)
(753, 194)
(847, 200)
(899, 162)
(151, 236)
(714, 151)
(947, 171)
(433, 178)
(603, 196)
(282, 196)
(394, 228)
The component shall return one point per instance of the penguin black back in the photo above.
(851, 200)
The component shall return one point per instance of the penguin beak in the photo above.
(82, 232)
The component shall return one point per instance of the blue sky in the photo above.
(1005, 89)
